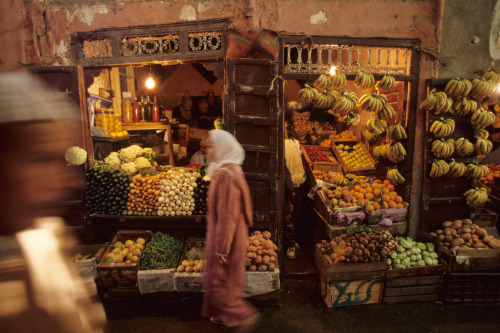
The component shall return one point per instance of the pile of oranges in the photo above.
(372, 195)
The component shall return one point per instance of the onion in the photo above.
(385, 221)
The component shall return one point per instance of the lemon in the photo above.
(134, 259)
(140, 240)
(137, 252)
(139, 246)
(129, 242)
(129, 256)
(124, 252)
(118, 258)
(118, 244)
(110, 255)
(116, 250)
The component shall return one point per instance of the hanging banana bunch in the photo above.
(326, 99)
(463, 147)
(397, 132)
(457, 88)
(441, 127)
(442, 148)
(345, 104)
(463, 107)
(456, 169)
(475, 197)
(307, 94)
(476, 171)
(370, 136)
(381, 151)
(376, 126)
(352, 119)
(397, 152)
(491, 75)
(373, 102)
(481, 119)
(322, 82)
(482, 146)
(386, 83)
(338, 81)
(481, 88)
(436, 100)
(395, 177)
(387, 112)
(364, 80)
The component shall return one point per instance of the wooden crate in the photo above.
(396, 229)
(473, 260)
(395, 214)
(189, 282)
(120, 275)
(422, 284)
(471, 288)
(347, 284)
(337, 216)
(357, 171)
(486, 218)
(325, 150)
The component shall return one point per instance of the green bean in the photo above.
(161, 252)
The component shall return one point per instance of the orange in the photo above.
(385, 190)
(362, 190)
(376, 206)
(399, 205)
(369, 196)
(390, 187)
(369, 208)
(398, 199)
(361, 181)
(386, 198)
(392, 204)
(377, 192)
(386, 182)
(357, 188)
(369, 189)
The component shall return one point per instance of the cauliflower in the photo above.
(142, 162)
(149, 154)
(130, 153)
(113, 160)
(75, 155)
(129, 167)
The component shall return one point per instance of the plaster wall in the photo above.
(469, 38)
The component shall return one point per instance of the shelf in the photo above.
(110, 139)
(196, 218)
(145, 126)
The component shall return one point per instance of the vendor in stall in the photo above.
(205, 116)
(184, 112)
(202, 157)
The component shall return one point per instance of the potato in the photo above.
(251, 255)
(257, 260)
(441, 237)
(466, 230)
(189, 269)
(488, 239)
(271, 267)
(481, 232)
(466, 222)
(457, 224)
(466, 236)
(447, 231)
(494, 244)
(447, 224)
(478, 245)
(448, 238)
(181, 268)
(439, 232)
(457, 242)
(252, 268)
(262, 268)
(266, 260)
(454, 232)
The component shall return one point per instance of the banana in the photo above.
(481, 88)
(364, 81)
(371, 137)
(395, 177)
(337, 81)
(307, 94)
(476, 197)
(322, 82)
(430, 101)
(352, 119)
(386, 83)
(491, 75)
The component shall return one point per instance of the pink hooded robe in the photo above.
(229, 216)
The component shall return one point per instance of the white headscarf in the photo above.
(227, 150)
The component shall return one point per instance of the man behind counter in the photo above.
(201, 156)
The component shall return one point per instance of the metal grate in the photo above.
(205, 41)
(97, 49)
(172, 42)
(137, 46)
(318, 58)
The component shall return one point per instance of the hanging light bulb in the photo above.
(150, 83)
(333, 70)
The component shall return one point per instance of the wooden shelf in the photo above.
(145, 126)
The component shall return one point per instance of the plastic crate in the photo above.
(471, 288)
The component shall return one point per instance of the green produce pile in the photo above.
(410, 253)
(161, 252)
(107, 189)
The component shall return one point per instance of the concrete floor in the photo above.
(302, 310)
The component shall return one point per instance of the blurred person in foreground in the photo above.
(229, 217)
(39, 288)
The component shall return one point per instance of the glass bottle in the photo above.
(156, 110)
(149, 110)
(143, 110)
(136, 113)
(127, 110)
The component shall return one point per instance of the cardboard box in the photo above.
(156, 280)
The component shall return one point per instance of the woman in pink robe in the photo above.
(229, 217)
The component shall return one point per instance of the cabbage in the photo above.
(113, 160)
(75, 155)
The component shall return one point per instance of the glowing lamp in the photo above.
(333, 70)
(150, 83)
